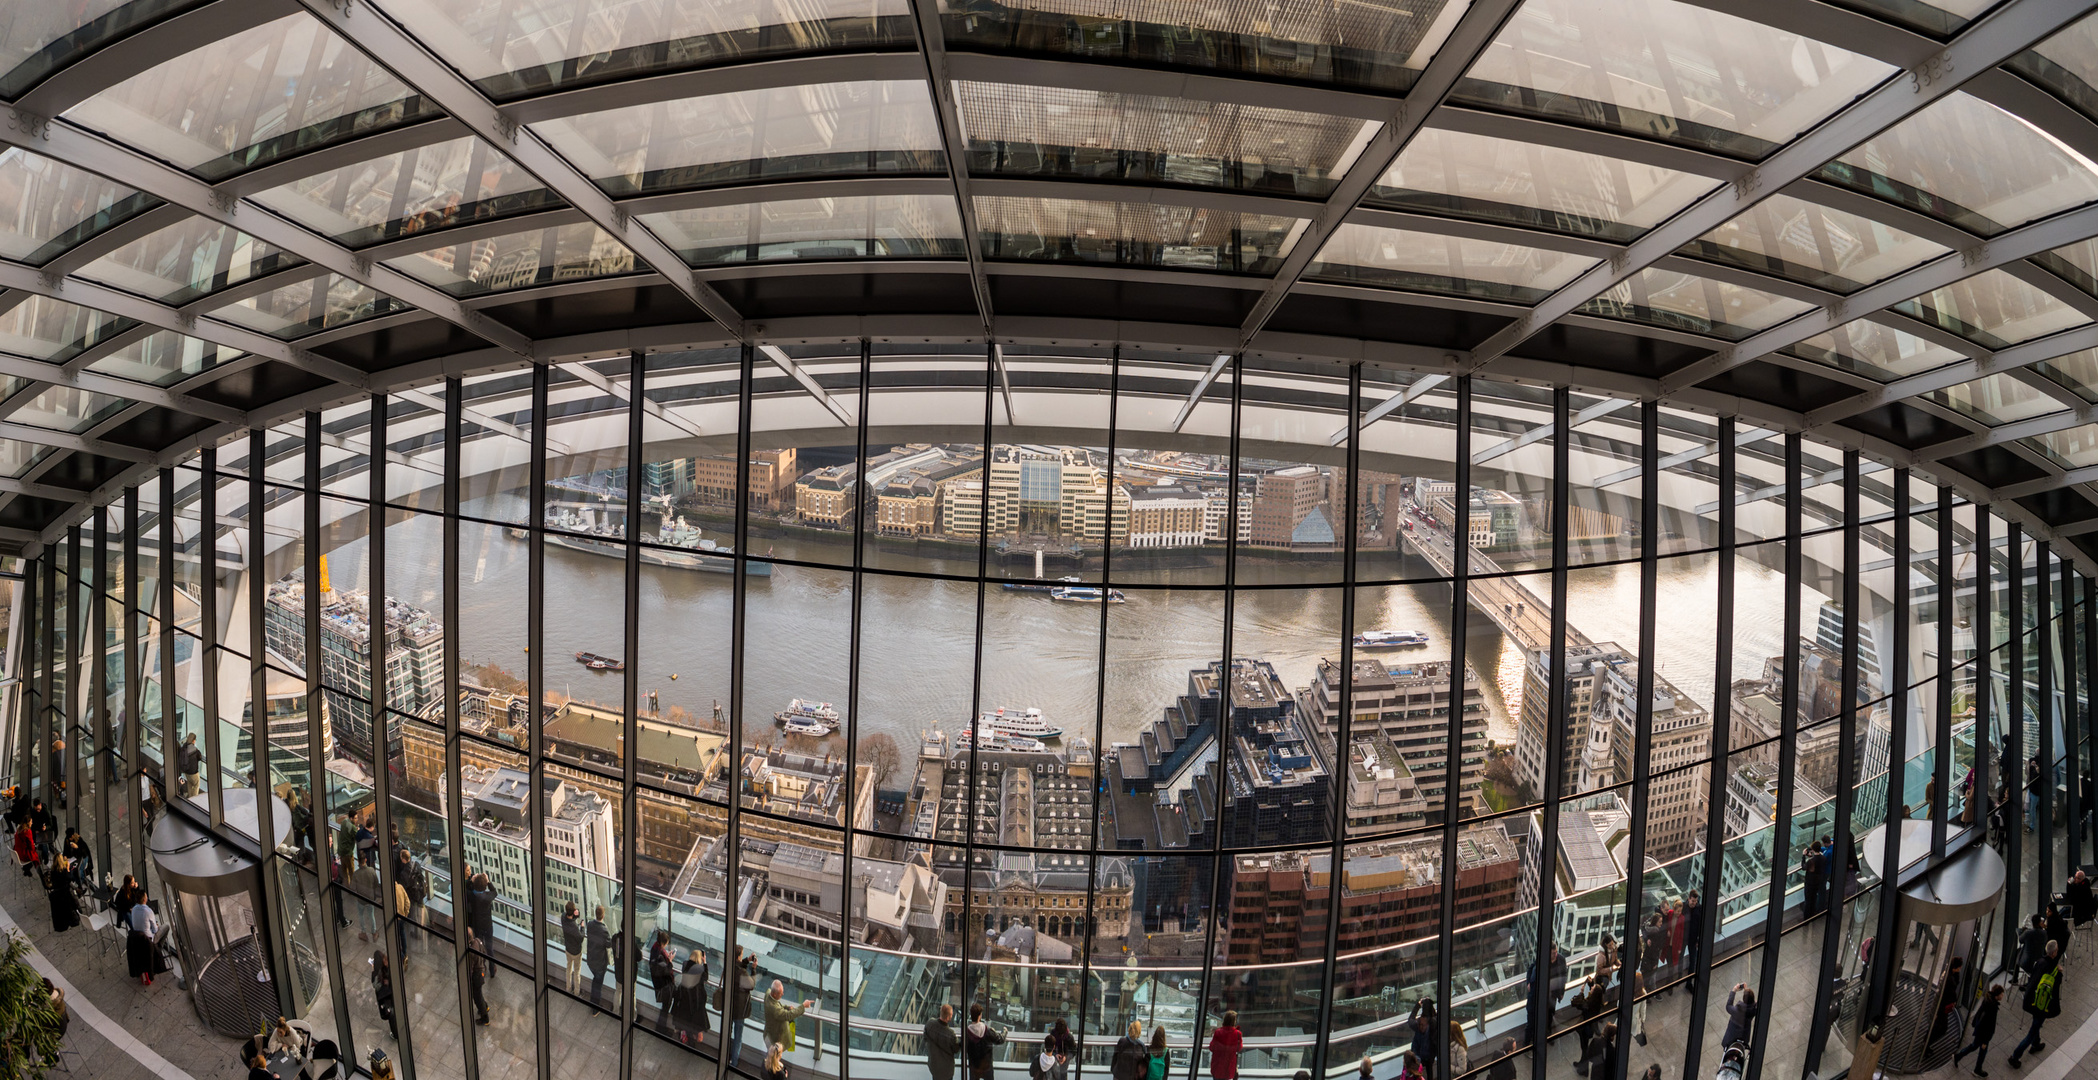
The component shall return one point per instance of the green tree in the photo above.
(29, 1019)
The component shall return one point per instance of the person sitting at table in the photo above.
(283, 1040)
(258, 1068)
(25, 848)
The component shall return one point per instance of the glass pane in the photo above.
(1667, 70)
(62, 408)
(44, 38)
(1098, 135)
(164, 358)
(552, 44)
(1699, 305)
(1131, 234)
(1993, 310)
(1456, 266)
(2065, 64)
(1875, 350)
(1519, 183)
(848, 227)
(56, 206)
(262, 94)
(430, 187)
(304, 307)
(45, 329)
(519, 260)
(1382, 47)
(1998, 399)
(191, 258)
(1828, 249)
(1967, 162)
(778, 133)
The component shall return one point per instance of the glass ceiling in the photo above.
(1186, 155)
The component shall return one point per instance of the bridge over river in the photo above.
(1521, 614)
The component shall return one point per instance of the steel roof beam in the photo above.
(2015, 358)
(808, 382)
(954, 142)
(1202, 385)
(1468, 40)
(393, 48)
(1684, 457)
(1953, 266)
(1392, 404)
(1990, 40)
(1544, 431)
(622, 392)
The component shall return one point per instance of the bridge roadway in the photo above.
(1520, 613)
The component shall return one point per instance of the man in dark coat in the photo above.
(597, 952)
(2043, 1000)
(941, 1044)
(1815, 867)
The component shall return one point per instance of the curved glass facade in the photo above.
(1086, 685)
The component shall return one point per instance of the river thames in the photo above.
(920, 633)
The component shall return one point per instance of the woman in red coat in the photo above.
(1224, 1047)
(25, 848)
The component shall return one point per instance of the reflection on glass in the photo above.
(1457, 266)
(1132, 234)
(1826, 248)
(41, 38)
(2078, 371)
(55, 206)
(303, 307)
(1993, 310)
(1998, 399)
(164, 358)
(45, 329)
(1667, 70)
(2072, 449)
(1100, 135)
(542, 45)
(520, 260)
(429, 187)
(1965, 161)
(191, 258)
(1490, 179)
(262, 94)
(63, 408)
(1874, 349)
(777, 133)
(1700, 305)
(2067, 64)
(849, 227)
(1380, 47)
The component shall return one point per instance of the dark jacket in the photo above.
(941, 1046)
(735, 1003)
(1741, 1019)
(662, 971)
(597, 944)
(480, 914)
(2054, 1008)
(1503, 1067)
(2032, 946)
(1985, 1019)
(688, 999)
(1131, 1060)
(1693, 925)
(2081, 904)
(978, 1040)
(65, 907)
(571, 934)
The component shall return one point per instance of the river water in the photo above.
(919, 635)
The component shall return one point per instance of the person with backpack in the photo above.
(1161, 1055)
(1224, 1047)
(1982, 1029)
(572, 945)
(979, 1041)
(1131, 1060)
(2043, 1001)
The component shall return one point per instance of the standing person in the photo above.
(477, 978)
(382, 993)
(941, 1044)
(58, 768)
(1131, 1060)
(735, 1001)
(1814, 865)
(65, 905)
(1503, 1067)
(572, 945)
(190, 761)
(1160, 1054)
(1678, 931)
(1741, 1015)
(1060, 1041)
(2058, 926)
(775, 1062)
(2043, 1001)
(1424, 1024)
(979, 1042)
(1366, 1069)
(597, 949)
(2032, 791)
(1948, 998)
(46, 828)
(1410, 1067)
(143, 928)
(365, 880)
(367, 846)
(662, 977)
(2032, 942)
(1460, 1050)
(1653, 948)
(409, 875)
(1225, 1044)
(1982, 1030)
(688, 1000)
(480, 913)
(780, 1015)
(401, 913)
(1639, 1008)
